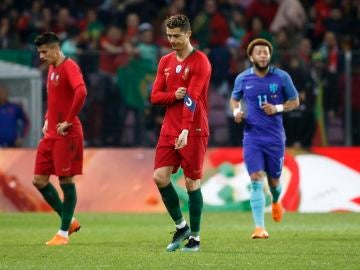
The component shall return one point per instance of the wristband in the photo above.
(236, 111)
(279, 108)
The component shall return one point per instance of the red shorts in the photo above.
(190, 158)
(61, 157)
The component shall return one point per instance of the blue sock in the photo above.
(257, 202)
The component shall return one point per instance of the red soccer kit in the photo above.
(58, 154)
(191, 113)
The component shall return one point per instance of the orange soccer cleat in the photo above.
(277, 212)
(74, 226)
(260, 233)
(58, 240)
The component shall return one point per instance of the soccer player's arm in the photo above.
(78, 86)
(235, 99)
(159, 95)
(292, 94)
(201, 74)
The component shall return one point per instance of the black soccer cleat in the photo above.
(179, 236)
(191, 246)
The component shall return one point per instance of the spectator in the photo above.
(132, 28)
(300, 123)
(92, 26)
(8, 37)
(290, 16)
(256, 29)
(210, 27)
(330, 54)
(14, 123)
(265, 9)
(113, 50)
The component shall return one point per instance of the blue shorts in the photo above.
(269, 158)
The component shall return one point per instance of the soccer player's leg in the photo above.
(172, 203)
(254, 160)
(43, 169)
(274, 165)
(167, 161)
(193, 158)
(67, 154)
(257, 203)
(195, 211)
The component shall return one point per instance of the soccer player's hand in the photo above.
(181, 141)
(238, 115)
(269, 109)
(180, 93)
(45, 126)
(61, 127)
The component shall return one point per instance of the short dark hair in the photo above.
(46, 38)
(180, 21)
(257, 42)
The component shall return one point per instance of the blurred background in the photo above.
(118, 44)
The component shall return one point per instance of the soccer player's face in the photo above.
(177, 38)
(260, 57)
(48, 53)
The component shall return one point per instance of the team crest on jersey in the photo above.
(54, 78)
(178, 68)
(186, 73)
(273, 87)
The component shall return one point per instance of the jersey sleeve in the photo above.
(159, 95)
(78, 86)
(238, 92)
(201, 75)
(289, 87)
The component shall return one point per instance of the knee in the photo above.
(191, 184)
(257, 176)
(66, 179)
(160, 179)
(40, 181)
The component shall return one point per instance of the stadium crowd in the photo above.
(118, 43)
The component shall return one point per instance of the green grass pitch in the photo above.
(138, 241)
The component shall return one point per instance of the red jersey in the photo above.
(66, 95)
(190, 113)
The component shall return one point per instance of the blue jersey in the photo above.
(11, 116)
(275, 88)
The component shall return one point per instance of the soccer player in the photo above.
(60, 151)
(260, 95)
(181, 83)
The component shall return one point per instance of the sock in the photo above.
(195, 209)
(197, 238)
(257, 203)
(275, 191)
(68, 205)
(51, 196)
(172, 203)
(181, 225)
(63, 233)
